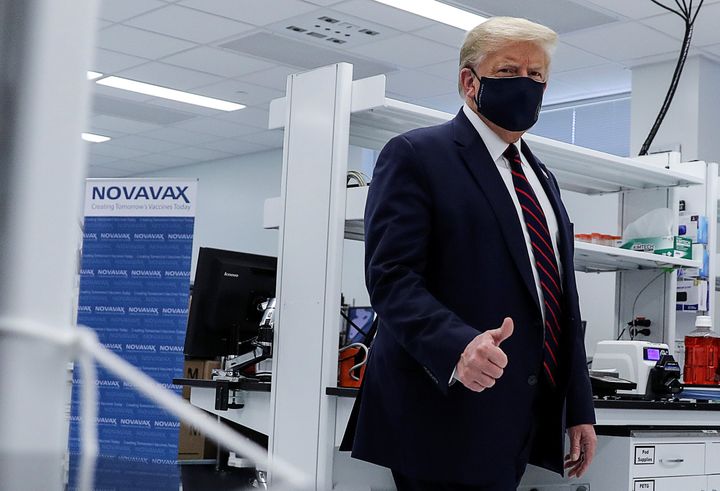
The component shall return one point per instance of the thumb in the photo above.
(503, 332)
(575, 445)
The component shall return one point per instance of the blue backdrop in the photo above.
(134, 292)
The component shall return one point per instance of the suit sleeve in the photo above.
(398, 221)
(580, 408)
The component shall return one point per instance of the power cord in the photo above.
(685, 13)
(637, 297)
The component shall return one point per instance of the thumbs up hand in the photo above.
(482, 362)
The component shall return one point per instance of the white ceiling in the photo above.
(242, 51)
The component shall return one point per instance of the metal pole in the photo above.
(46, 48)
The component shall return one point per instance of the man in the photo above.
(478, 366)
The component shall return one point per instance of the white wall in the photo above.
(231, 194)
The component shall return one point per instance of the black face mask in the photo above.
(512, 103)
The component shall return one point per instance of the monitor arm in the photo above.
(262, 342)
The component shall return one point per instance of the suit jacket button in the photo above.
(532, 380)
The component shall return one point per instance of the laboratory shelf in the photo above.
(375, 119)
(588, 257)
(600, 258)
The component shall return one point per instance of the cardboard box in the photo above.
(673, 246)
(198, 369)
(192, 445)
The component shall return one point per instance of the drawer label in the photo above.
(647, 485)
(644, 456)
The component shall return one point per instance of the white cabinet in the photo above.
(694, 483)
(713, 483)
(668, 459)
(712, 458)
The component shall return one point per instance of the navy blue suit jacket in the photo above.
(446, 260)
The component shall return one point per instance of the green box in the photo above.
(669, 245)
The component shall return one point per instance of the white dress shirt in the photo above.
(496, 146)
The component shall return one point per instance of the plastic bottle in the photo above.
(702, 354)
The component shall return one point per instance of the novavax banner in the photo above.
(134, 292)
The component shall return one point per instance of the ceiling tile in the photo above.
(382, 14)
(256, 12)
(447, 69)
(102, 24)
(180, 136)
(275, 78)
(189, 24)
(111, 149)
(217, 127)
(629, 9)
(169, 76)
(236, 147)
(147, 145)
(97, 159)
(323, 2)
(561, 15)
(292, 52)
(407, 50)
(164, 160)
(110, 62)
(269, 138)
(131, 167)
(139, 43)
(568, 57)
(218, 61)
(250, 116)
(705, 31)
(442, 33)
(626, 41)
(237, 91)
(119, 10)
(418, 85)
(97, 171)
(200, 154)
(121, 125)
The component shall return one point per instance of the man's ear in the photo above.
(466, 78)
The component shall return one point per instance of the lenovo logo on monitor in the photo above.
(231, 275)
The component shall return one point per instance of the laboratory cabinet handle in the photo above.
(672, 461)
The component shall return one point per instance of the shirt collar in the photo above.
(495, 145)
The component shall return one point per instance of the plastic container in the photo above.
(702, 354)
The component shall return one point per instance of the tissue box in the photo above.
(694, 227)
(673, 246)
(692, 295)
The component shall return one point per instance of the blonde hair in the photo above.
(497, 32)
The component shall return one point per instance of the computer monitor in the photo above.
(226, 293)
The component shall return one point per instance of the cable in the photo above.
(84, 345)
(637, 297)
(689, 18)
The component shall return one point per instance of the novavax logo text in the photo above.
(140, 192)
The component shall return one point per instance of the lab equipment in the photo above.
(702, 354)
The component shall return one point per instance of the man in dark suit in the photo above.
(478, 366)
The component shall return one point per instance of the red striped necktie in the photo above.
(545, 262)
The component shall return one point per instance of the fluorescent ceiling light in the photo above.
(172, 94)
(441, 12)
(91, 137)
(93, 75)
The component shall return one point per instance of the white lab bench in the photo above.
(643, 445)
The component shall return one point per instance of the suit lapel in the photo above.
(485, 173)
